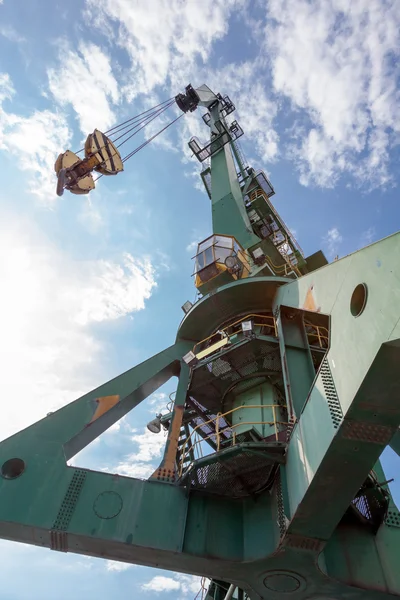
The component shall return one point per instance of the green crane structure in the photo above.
(288, 372)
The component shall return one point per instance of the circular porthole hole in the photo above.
(12, 468)
(358, 300)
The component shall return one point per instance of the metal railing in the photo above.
(212, 343)
(258, 193)
(320, 333)
(286, 269)
(233, 329)
(216, 436)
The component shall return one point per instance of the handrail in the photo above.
(320, 336)
(217, 433)
(246, 318)
(279, 268)
(268, 320)
(259, 192)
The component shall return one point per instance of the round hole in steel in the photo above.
(12, 468)
(358, 300)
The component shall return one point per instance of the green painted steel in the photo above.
(324, 525)
(262, 396)
(395, 443)
(229, 214)
(159, 524)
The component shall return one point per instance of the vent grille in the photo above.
(393, 518)
(290, 427)
(281, 509)
(301, 542)
(367, 432)
(331, 396)
(69, 502)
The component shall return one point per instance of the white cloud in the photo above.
(192, 247)
(114, 566)
(85, 80)
(175, 50)
(332, 241)
(145, 458)
(90, 216)
(187, 585)
(149, 444)
(196, 238)
(161, 584)
(114, 290)
(256, 107)
(368, 236)
(166, 48)
(49, 355)
(256, 112)
(336, 62)
(158, 402)
(190, 584)
(11, 34)
(35, 141)
(6, 87)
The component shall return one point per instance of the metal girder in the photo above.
(395, 442)
(229, 213)
(167, 469)
(298, 369)
(290, 540)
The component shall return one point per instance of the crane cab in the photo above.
(220, 259)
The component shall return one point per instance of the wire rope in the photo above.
(132, 126)
(149, 120)
(128, 156)
(109, 131)
(138, 119)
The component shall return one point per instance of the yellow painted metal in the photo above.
(107, 155)
(313, 331)
(103, 405)
(284, 269)
(67, 160)
(213, 348)
(216, 437)
(234, 328)
(319, 332)
(213, 251)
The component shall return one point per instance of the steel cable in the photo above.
(137, 120)
(128, 156)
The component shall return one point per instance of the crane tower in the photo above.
(288, 392)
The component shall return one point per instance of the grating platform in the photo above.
(239, 471)
(212, 378)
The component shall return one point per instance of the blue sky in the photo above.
(95, 284)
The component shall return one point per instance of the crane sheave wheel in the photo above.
(109, 157)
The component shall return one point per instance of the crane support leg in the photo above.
(305, 536)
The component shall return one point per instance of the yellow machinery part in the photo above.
(68, 160)
(107, 154)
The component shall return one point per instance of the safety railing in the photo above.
(317, 335)
(216, 436)
(212, 343)
(286, 269)
(259, 193)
